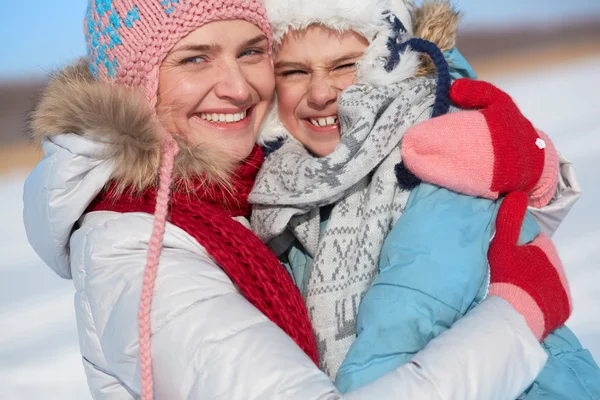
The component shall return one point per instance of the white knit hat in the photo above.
(370, 18)
(362, 16)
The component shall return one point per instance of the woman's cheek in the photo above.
(261, 78)
(193, 89)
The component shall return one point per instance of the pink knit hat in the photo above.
(127, 40)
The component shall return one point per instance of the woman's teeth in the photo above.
(224, 117)
(324, 121)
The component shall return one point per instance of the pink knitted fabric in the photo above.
(170, 150)
(432, 152)
(543, 192)
(127, 40)
(526, 304)
(530, 276)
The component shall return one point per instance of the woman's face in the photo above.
(216, 85)
(312, 68)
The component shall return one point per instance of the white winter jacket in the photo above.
(208, 341)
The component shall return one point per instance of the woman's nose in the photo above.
(233, 86)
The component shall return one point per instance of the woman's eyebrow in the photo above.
(255, 40)
(197, 47)
(216, 47)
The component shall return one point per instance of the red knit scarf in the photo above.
(205, 212)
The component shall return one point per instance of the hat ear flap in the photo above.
(404, 9)
(271, 130)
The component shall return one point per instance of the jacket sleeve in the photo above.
(567, 193)
(483, 356)
(432, 270)
(208, 342)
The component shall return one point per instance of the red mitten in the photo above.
(486, 153)
(530, 277)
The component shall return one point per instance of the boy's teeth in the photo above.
(224, 117)
(324, 121)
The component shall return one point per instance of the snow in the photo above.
(39, 355)
(563, 101)
(39, 351)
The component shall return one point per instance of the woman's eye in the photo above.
(252, 52)
(194, 60)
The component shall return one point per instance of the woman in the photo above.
(159, 123)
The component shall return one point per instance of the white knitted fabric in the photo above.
(359, 179)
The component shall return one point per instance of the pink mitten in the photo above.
(530, 277)
(485, 152)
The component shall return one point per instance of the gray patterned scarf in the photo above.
(358, 178)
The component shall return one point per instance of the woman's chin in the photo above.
(235, 147)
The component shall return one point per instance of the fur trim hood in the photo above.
(364, 17)
(435, 21)
(74, 102)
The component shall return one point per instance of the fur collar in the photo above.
(436, 21)
(75, 103)
(359, 16)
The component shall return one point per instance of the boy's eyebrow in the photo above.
(289, 64)
(346, 57)
(332, 63)
(215, 47)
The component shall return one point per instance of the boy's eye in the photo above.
(293, 72)
(345, 66)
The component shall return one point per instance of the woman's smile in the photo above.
(226, 120)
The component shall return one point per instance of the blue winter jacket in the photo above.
(432, 270)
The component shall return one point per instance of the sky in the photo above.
(38, 36)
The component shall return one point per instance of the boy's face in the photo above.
(312, 68)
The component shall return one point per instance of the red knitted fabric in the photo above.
(205, 214)
(517, 167)
(528, 267)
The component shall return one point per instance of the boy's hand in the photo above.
(490, 150)
(530, 277)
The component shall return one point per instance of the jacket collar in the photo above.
(121, 118)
